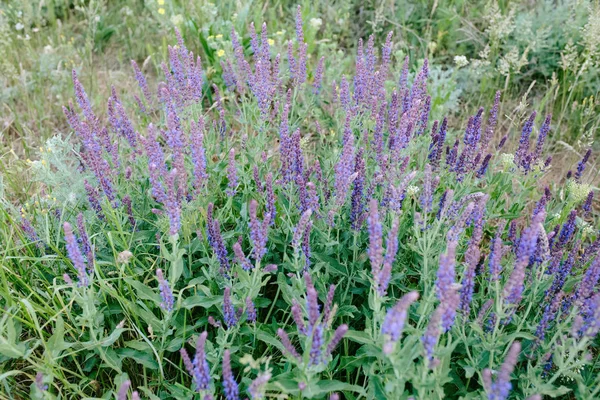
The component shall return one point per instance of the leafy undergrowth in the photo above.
(270, 234)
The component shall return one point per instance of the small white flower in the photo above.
(19, 26)
(316, 23)
(461, 61)
(507, 160)
(412, 190)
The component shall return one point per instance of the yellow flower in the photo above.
(271, 42)
(161, 2)
(43, 162)
(161, 11)
(210, 37)
(220, 53)
(219, 36)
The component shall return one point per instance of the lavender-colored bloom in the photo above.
(165, 292)
(587, 206)
(375, 250)
(590, 279)
(39, 382)
(228, 310)
(198, 368)
(129, 209)
(316, 345)
(258, 231)
(93, 198)
(484, 166)
(300, 230)
(357, 191)
(172, 203)
(513, 290)
(232, 174)
(216, 241)
(298, 318)
(395, 318)
(496, 253)
(492, 121)
(501, 387)
(523, 149)
(257, 386)
(306, 245)
(30, 232)
(123, 390)
(539, 146)
(241, 257)
(432, 333)
(318, 78)
(250, 310)
(230, 386)
(285, 340)
(141, 79)
(581, 165)
(156, 164)
(328, 303)
(550, 311)
(270, 198)
(567, 231)
(198, 153)
(75, 255)
(312, 306)
(338, 335)
(391, 246)
(345, 94)
(446, 271)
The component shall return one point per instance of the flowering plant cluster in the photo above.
(266, 232)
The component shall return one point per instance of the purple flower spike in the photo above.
(317, 344)
(241, 257)
(75, 255)
(433, 332)
(198, 154)
(250, 310)
(391, 249)
(230, 386)
(258, 231)
(123, 390)
(338, 335)
(257, 387)
(165, 292)
(581, 165)
(289, 347)
(375, 250)
(521, 158)
(395, 318)
(232, 174)
(228, 310)
(501, 387)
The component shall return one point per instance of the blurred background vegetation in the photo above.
(540, 54)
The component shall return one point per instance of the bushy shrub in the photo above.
(284, 235)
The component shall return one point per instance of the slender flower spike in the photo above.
(501, 387)
(257, 387)
(241, 257)
(228, 310)
(258, 231)
(395, 319)
(289, 347)
(75, 255)
(375, 250)
(198, 368)
(123, 390)
(250, 310)
(165, 292)
(232, 174)
(230, 386)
